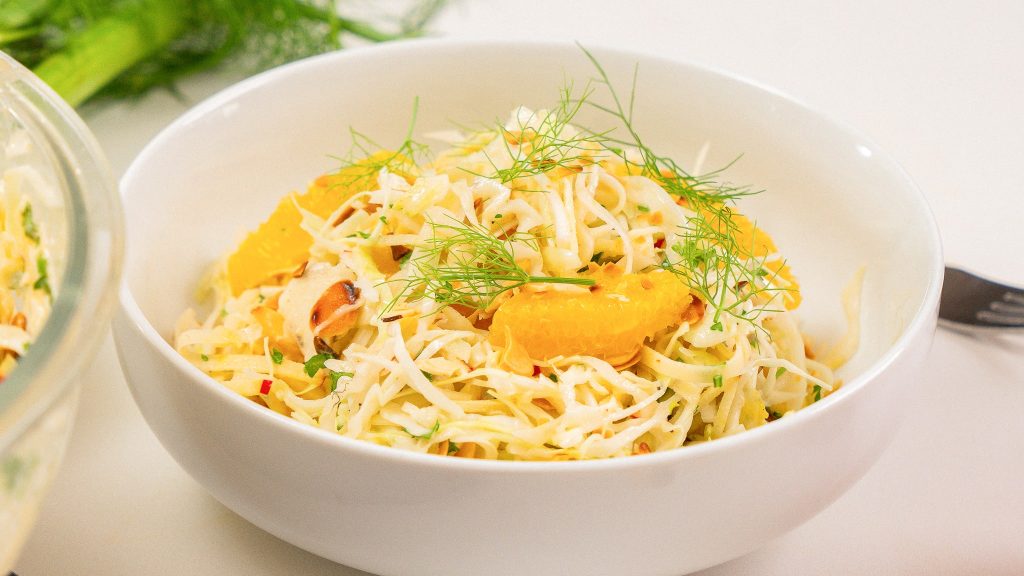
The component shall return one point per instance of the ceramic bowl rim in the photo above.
(922, 320)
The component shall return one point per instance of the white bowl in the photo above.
(834, 203)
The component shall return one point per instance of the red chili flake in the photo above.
(536, 370)
(659, 243)
(265, 387)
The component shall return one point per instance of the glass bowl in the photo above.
(62, 172)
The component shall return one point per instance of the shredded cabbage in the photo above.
(26, 279)
(415, 371)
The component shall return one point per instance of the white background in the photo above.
(939, 84)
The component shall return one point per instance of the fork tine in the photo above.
(997, 319)
(1007, 309)
(972, 300)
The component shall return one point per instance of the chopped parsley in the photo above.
(717, 380)
(428, 435)
(314, 364)
(204, 357)
(427, 375)
(29, 224)
(717, 326)
(335, 376)
(596, 259)
(817, 392)
(780, 371)
(642, 208)
(553, 377)
(276, 356)
(43, 283)
(452, 447)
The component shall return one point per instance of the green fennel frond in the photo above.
(121, 48)
(366, 157)
(469, 265)
(720, 270)
(547, 140)
(709, 258)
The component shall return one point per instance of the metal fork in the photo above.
(971, 301)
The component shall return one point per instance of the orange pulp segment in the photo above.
(280, 245)
(610, 322)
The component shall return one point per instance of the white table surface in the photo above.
(940, 84)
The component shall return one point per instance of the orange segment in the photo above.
(751, 239)
(779, 270)
(279, 245)
(610, 322)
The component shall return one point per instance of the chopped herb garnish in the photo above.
(553, 377)
(384, 219)
(717, 326)
(427, 375)
(596, 259)
(428, 435)
(497, 216)
(43, 282)
(276, 356)
(817, 392)
(204, 357)
(642, 208)
(335, 376)
(363, 235)
(29, 224)
(780, 371)
(717, 379)
(314, 364)
(452, 447)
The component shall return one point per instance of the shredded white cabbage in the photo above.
(347, 344)
(25, 275)
(29, 462)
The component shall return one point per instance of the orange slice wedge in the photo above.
(280, 245)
